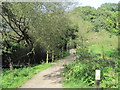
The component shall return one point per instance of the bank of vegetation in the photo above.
(97, 47)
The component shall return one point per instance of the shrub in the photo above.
(83, 53)
(83, 69)
(85, 72)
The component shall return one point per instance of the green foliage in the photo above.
(86, 12)
(66, 53)
(104, 18)
(111, 51)
(83, 52)
(84, 71)
(75, 84)
(97, 29)
(31, 29)
(113, 54)
(110, 6)
(15, 78)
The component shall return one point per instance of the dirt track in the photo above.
(49, 78)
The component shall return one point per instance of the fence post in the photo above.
(47, 56)
(52, 55)
(97, 78)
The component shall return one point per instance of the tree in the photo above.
(110, 6)
(16, 22)
(53, 37)
(38, 30)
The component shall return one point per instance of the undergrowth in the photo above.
(81, 72)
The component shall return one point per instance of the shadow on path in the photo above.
(49, 78)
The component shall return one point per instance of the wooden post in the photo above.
(62, 51)
(67, 46)
(97, 84)
(52, 56)
(103, 54)
(97, 77)
(74, 53)
(47, 57)
(82, 42)
(74, 57)
(10, 64)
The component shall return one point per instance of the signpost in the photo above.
(97, 78)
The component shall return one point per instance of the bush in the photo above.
(66, 53)
(85, 71)
(84, 53)
(113, 54)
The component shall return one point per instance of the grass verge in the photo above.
(15, 78)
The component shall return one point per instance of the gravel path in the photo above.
(49, 78)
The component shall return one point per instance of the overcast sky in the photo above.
(95, 3)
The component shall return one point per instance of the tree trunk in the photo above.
(47, 57)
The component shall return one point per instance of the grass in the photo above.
(81, 74)
(109, 51)
(75, 84)
(102, 39)
(98, 49)
(15, 78)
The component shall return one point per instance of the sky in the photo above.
(95, 3)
